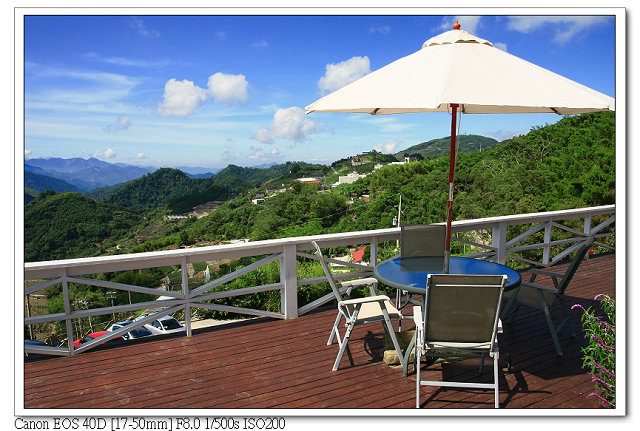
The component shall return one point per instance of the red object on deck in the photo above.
(358, 255)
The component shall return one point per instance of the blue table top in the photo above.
(410, 273)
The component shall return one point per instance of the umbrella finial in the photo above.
(456, 26)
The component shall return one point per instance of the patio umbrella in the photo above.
(458, 72)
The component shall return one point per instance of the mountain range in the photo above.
(101, 178)
(438, 147)
(88, 174)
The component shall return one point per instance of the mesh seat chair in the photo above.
(542, 297)
(422, 240)
(460, 318)
(375, 308)
(419, 240)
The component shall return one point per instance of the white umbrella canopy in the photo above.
(459, 71)
(459, 68)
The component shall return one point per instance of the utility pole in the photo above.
(399, 213)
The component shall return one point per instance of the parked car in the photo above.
(164, 325)
(94, 335)
(134, 333)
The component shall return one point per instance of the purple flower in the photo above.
(595, 378)
(601, 343)
(593, 394)
(598, 366)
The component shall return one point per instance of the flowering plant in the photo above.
(600, 353)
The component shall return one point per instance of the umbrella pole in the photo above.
(452, 169)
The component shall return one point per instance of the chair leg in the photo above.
(392, 334)
(567, 319)
(343, 346)
(496, 360)
(552, 329)
(334, 331)
(417, 379)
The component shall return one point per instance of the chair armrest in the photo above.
(554, 275)
(539, 287)
(546, 272)
(417, 316)
(359, 282)
(379, 298)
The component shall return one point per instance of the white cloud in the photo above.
(181, 98)
(290, 123)
(260, 44)
(141, 156)
(382, 29)
(124, 122)
(275, 152)
(389, 147)
(107, 154)
(27, 152)
(139, 26)
(228, 88)
(343, 73)
(122, 61)
(565, 27)
(257, 155)
(500, 45)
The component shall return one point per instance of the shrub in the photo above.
(600, 353)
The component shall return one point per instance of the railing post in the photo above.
(67, 312)
(374, 252)
(546, 250)
(185, 291)
(499, 242)
(587, 224)
(289, 277)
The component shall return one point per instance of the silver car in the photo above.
(134, 333)
(164, 325)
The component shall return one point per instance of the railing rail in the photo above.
(487, 238)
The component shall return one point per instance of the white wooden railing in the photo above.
(486, 238)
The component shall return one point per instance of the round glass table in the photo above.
(410, 273)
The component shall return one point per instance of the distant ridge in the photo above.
(86, 174)
(441, 146)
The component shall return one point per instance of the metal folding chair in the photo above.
(357, 311)
(460, 318)
(542, 297)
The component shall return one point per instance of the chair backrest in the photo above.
(422, 240)
(463, 308)
(573, 266)
(335, 287)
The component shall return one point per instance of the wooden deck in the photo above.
(262, 364)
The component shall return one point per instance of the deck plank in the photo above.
(266, 364)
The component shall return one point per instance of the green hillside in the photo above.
(64, 225)
(180, 193)
(441, 146)
(570, 164)
(156, 189)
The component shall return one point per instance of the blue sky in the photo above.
(210, 91)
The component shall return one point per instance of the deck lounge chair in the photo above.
(460, 319)
(543, 297)
(356, 311)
